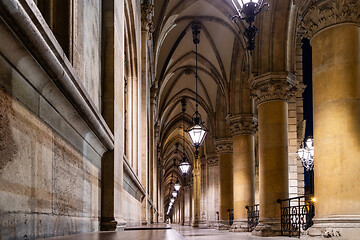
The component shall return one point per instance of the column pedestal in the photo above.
(239, 225)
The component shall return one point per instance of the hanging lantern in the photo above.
(177, 185)
(184, 166)
(306, 154)
(247, 11)
(174, 194)
(197, 131)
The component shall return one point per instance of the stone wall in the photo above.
(86, 49)
(47, 187)
(50, 154)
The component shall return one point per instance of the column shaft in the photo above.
(244, 176)
(336, 102)
(226, 188)
(273, 160)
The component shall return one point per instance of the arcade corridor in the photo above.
(229, 119)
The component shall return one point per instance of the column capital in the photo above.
(242, 124)
(318, 15)
(224, 145)
(212, 159)
(273, 86)
(147, 12)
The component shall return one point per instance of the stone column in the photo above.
(183, 207)
(272, 90)
(243, 128)
(212, 190)
(203, 194)
(112, 216)
(159, 191)
(154, 134)
(334, 29)
(144, 169)
(224, 148)
(187, 202)
(196, 195)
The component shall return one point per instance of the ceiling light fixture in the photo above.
(247, 11)
(184, 165)
(197, 131)
(177, 185)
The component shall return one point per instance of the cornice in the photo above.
(318, 15)
(242, 124)
(224, 145)
(273, 86)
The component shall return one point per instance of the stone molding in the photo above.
(212, 160)
(274, 86)
(224, 145)
(147, 12)
(319, 15)
(242, 124)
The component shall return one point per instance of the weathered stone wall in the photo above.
(47, 187)
(86, 56)
(50, 158)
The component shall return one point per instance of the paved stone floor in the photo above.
(191, 233)
(177, 232)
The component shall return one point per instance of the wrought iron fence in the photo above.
(296, 215)
(231, 216)
(253, 216)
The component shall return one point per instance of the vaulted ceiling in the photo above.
(221, 45)
(223, 69)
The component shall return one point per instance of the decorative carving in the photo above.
(212, 160)
(274, 86)
(242, 124)
(325, 13)
(224, 145)
(147, 12)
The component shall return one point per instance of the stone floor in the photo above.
(159, 232)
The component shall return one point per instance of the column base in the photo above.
(195, 223)
(187, 223)
(240, 225)
(267, 228)
(223, 225)
(108, 224)
(120, 226)
(202, 224)
(339, 227)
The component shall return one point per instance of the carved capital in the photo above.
(318, 15)
(212, 160)
(242, 124)
(273, 86)
(224, 145)
(147, 13)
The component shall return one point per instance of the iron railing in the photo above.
(231, 216)
(296, 215)
(253, 216)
